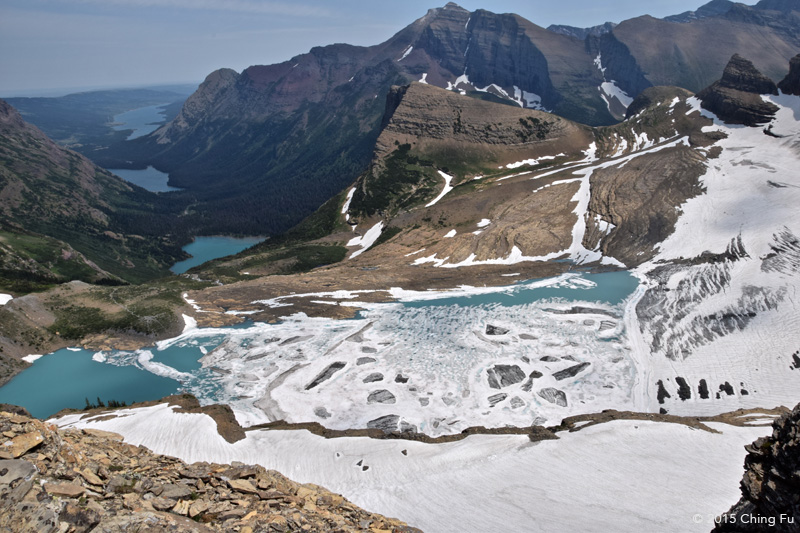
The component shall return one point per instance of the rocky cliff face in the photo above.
(89, 480)
(791, 83)
(771, 483)
(736, 98)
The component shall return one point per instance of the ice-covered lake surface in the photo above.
(528, 353)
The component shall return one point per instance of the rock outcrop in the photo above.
(771, 483)
(89, 480)
(736, 98)
(791, 83)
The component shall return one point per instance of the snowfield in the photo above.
(623, 476)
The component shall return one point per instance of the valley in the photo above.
(553, 271)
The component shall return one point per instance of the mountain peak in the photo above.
(736, 97)
(742, 75)
(453, 5)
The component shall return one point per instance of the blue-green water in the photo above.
(151, 179)
(65, 379)
(142, 121)
(207, 248)
(609, 287)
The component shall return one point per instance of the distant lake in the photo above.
(207, 248)
(142, 121)
(151, 179)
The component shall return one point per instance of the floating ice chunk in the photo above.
(99, 357)
(71, 349)
(145, 359)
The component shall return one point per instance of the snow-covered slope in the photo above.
(624, 476)
(719, 318)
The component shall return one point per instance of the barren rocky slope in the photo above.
(89, 480)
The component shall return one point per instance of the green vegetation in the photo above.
(76, 322)
(387, 235)
(289, 259)
(112, 404)
(404, 180)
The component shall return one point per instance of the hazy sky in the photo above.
(49, 44)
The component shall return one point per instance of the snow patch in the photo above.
(346, 206)
(5, 298)
(450, 234)
(406, 52)
(189, 323)
(31, 358)
(447, 188)
(423, 78)
(367, 240)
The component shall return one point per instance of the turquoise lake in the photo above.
(207, 248)
(151, 179)
(67, 378)
(142, 121)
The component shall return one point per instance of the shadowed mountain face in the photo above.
(259, 150)
(63, 218)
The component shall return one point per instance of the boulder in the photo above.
(553, 395)
(500, 376)
(570, 371)
(381, 396)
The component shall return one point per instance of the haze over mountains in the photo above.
(278, 140)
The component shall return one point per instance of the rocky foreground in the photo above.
(89, 480)
(771, 484)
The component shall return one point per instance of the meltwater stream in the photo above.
(525, 353)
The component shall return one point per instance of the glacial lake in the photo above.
(66, 378)
(142, 121)
(207, 248)
(151, 179)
